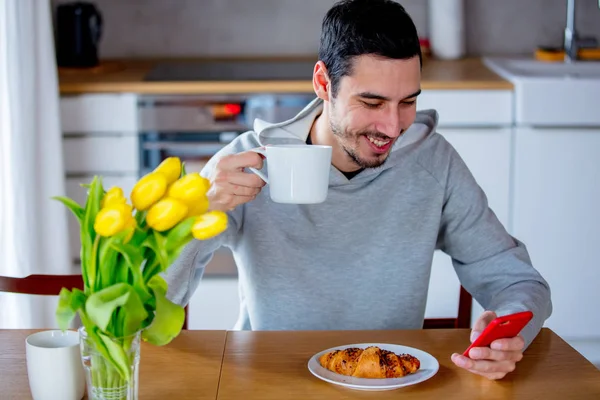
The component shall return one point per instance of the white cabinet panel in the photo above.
(99, 113)
(469, 107)
(99, 138)
(444, 289)
(215, 304)
(487, 154)
(534, 105)
(557, 214)
(101, 154)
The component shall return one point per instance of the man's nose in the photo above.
(392, 124)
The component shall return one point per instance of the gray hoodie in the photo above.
(362, 259)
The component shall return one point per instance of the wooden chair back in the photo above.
(48, 285)
(463, 318)
(51, 285)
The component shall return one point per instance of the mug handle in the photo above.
(260, 150)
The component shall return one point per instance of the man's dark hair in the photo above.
(355, 27)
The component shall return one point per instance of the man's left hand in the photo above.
(495, 361)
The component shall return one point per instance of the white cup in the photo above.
(296, 173)
(54, 365)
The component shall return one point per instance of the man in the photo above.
(397, 191)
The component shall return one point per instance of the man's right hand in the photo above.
(230, 185)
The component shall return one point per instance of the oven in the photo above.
(195, 127)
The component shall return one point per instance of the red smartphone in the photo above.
(506, 326)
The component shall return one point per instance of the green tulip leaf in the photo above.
(75, 208)
(97, 340)
(69, 303)
(183, 172)
(134, 261)
(107, 262)
(161, 250)
(118, 355)
(182, 232)
(101, 305)
(89, 244)
(168, 319)
(159, 285)
(159, 259)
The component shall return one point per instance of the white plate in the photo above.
(429, 367)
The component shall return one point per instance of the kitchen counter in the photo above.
(128, 76)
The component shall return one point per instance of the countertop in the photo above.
(127, 76)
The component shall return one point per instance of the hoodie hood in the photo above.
(296, 130)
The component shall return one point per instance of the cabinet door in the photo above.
(215, 304)
(92, 113)
(557, 215)
(101, 154)
(487, 154)
(473, 108)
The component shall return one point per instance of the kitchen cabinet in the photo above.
(99, 138)
(215, 304)
(469, 108)
(486, 152)
(94, 113)
(478, 124)
(557, 214)
(90, 154)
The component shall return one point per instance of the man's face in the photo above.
(374, 105)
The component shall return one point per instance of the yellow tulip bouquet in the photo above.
(124, 249)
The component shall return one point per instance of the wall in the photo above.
(148, 28)
(519, 26)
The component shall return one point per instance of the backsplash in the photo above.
(188, 28)
(520, 26)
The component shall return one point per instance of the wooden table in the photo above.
(188, 368)
(273, 365)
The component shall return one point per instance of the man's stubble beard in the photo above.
(345, 136)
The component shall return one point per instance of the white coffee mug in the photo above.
(54, 365)
(296, 173)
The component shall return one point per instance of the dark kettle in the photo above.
(78, 32)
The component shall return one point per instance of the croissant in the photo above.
(371, 362)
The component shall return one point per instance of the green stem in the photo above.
(106, 379)
(140, 218)
(94, 270)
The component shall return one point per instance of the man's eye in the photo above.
(371, 105)
(409, 103)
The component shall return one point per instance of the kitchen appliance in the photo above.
(195, 127)
(78, 32)
(232, 70)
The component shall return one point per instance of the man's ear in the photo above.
(321, 82)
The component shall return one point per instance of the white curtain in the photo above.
(33, 228)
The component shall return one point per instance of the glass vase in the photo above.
(104, 382)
